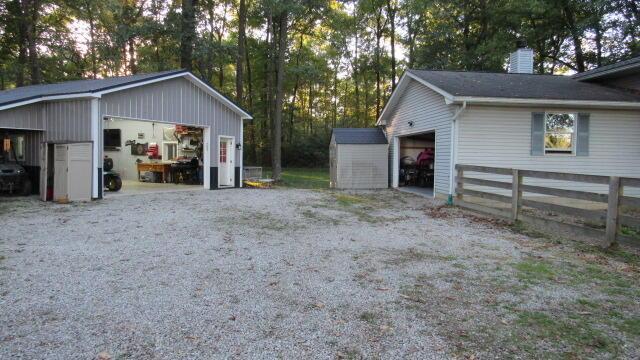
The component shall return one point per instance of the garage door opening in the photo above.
(417, 163)
(145, 157)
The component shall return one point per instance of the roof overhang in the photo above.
(614, 72)
(397, 94)
(450, 99)
(98, 94)
(542, 102)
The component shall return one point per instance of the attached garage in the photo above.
(358, 159)
(170, 125)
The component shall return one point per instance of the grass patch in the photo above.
(534, 271)
(578, 334)
(631, 232)
(520, 228)
(349, 200)
(631, 326)
(303, 178)
(400, 257)
(368, 316)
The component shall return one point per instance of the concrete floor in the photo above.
(133, 187)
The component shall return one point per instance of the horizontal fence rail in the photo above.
(611, 217)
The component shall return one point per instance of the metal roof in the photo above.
(76, 87)
(33, 93)
(614, 69)
(359, 136)
(520, 86)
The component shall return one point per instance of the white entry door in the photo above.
(226, 175)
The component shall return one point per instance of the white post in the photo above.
(395, 176)
(96, 129)
(206, 164)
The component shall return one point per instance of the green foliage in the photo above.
(338, 64)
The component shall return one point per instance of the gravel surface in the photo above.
(277, 273)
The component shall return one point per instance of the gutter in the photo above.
(454, 145)
(544, 102)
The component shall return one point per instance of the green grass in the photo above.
(303, 178)
(577, 333)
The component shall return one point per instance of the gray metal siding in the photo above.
(177, 101)
(24, 117)
(33, 139)
(68, 120)
(428, 112)
(362, 166)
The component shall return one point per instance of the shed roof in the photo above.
(34, 93)
(359, 136)
(520, 86)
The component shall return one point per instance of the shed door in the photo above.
(80, 165)
(60, 170)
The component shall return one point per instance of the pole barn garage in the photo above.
(156, 129)
(358, 159)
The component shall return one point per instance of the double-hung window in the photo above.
(559, 133)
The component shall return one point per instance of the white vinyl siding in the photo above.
(501, 137)
(362, 166)
(428, 112)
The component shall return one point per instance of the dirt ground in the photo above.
(285, 273)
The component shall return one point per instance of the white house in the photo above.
(588, 123)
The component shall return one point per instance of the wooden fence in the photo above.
(612, 218)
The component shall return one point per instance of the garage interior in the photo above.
(151, 156)
(417, 163)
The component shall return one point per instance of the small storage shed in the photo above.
(358, 159)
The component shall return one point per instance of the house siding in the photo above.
(362, 166)
(428, 111)
(176, 101)
(501, 137)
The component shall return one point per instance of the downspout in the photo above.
(454, 145)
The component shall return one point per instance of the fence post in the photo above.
(516, 194)
(459, 183)
(613, 209)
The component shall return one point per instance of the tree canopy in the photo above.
(302, 67)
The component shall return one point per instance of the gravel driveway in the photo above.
(286, 273)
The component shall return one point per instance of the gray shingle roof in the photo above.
(520, 86)
(609, 69)
(76, 87)
(359, 136)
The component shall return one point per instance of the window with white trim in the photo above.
(559, 133)
(170, 150)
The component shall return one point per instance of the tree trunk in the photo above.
(31, 11)
(133, 67)
(391, 12)
(242, 20)
(276, 159)
(188, 34)
(575, 36)
(22, 46)
(379, 30)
